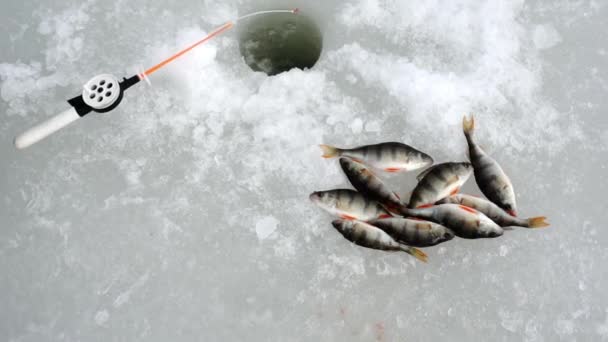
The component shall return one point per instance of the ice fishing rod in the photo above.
(103, 93)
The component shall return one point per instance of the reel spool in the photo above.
(100, 94)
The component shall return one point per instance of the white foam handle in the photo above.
(44, 129)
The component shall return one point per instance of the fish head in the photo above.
(464, 170)
(489, 229)
(448, 235)
(324, 199)
(509, 208)
(420, 160)
(343, 225)
(426, 159)
(441, 233)
(315, 197)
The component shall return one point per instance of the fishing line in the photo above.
(103, 93)
(210, 36)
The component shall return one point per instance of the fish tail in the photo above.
(416, 253)
(329, 151)
(468, 125)
(537, 222)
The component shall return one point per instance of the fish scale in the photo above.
(494, 212)
(490, 177)
(438, 182)
(389, 156)
(465, 222)
(415, 233)
(348, 204)
(369, 185)
(366, 235)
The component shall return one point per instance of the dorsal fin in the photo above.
(425, 172)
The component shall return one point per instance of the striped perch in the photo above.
(366, 235)
(389, 156)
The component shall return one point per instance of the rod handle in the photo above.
(46, 128)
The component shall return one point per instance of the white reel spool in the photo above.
(101, 91)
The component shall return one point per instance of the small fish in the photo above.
(389, 156)
(369, 185)
(416, 233)
(465, 222)
(438, 182)
(491, 179)
(495, 213)
(349, 205)
(366, 235)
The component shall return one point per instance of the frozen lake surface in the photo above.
(184, 214)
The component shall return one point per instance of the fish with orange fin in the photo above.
(349, 205)
(369, 185)
(495, 213)
(465, 222)
(414, 232)
(389, 156)
(439, 181)
(490, 177)
(366, 235)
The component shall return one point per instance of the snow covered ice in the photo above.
(184, 214)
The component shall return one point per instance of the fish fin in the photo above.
(392, 169)
(471, 210)
(347, 217)
(416, 253)
(455, 191)
(537, 222)
(468, 124)
(428, 205)
(425, 172)
(329, 151)
(512, 213)
(383, 216)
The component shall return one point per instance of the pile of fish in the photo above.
(375, 217)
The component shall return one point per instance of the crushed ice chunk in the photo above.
(545, 36)
(265, 227)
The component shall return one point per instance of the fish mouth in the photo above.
(337, 223)
(494, 234)
(428, 160)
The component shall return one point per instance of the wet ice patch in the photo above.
(545, 37)
(265, 227)
(101, 317)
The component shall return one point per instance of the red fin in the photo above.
(455, 191)
(392, 169)
(383, 216)
(471, 210)
(512, 213)
(347, 217)
(425, 206)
